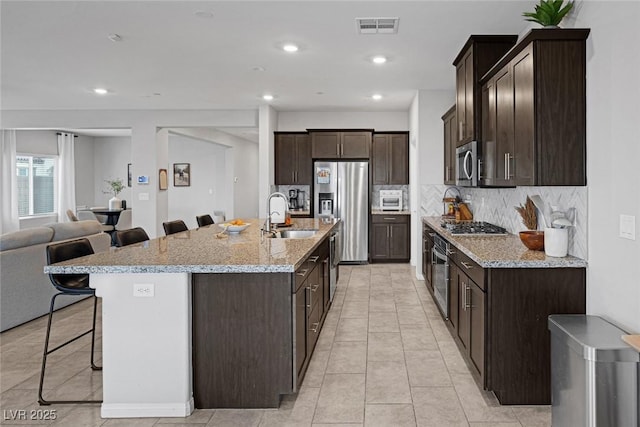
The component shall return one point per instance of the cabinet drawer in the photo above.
(389, 219)
(469, 267)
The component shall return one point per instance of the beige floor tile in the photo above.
(385, 346)
(387, 382)
(325, 340)
(411, 314)
(316, 369)
(533, 416)
(356, 295)
(381, 304)
(418, 337)
(337, 425)
(341, 399)
(236, 417)
(437, 407)
(199, 416)
(481, 406)
(348, 357)
(495, 424)
(426, 369)
(383, 322)
(304, 406)
(130, 422)
(355, 309)
(406, 297)
(389, 415)
(82, 415)
(352, 330)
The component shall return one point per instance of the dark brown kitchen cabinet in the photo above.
(450, 138)
(340, 144)
(390, 158)
(536, 112)
(476, 58)
(427, 256)
(293, 163)
(301, 332)
(389, 240)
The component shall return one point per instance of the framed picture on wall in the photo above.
(162, 179)
(181, 174)
(129, 175)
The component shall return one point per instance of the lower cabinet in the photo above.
(427, 256)
(389, 240)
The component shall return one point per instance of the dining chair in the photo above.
(204, 220)
(172, 227)
(72, 217)
(70, 285)
(124, 220)
(131, 236)
(84, 215)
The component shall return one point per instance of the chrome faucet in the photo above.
(267, 223)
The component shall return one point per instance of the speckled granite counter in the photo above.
(381, 212)
(200, 251)
(502, 251)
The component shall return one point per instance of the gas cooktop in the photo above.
(473, 228)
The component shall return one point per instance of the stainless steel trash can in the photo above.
(594, 375)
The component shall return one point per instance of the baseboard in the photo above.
(146, 410)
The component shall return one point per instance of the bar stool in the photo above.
(204, 220)
(173, 227)
(131, 236)
(68, 284)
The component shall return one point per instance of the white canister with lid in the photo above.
(556, 241)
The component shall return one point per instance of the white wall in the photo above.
(111, 157)
(208, 190)
(292, 121)
(85, 171)
(613, 150)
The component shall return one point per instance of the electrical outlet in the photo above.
(143, 290)
(143, 196)
(628, 227)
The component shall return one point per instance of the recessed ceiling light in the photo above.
(258, 68)
(376, 97)
(100, 91)
(379, 59)
(290, 47)
(114, 37)
(203, 14)
(319, 93)
(267, 97)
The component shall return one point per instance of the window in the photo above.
(36, 185)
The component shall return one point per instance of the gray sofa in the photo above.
(25, 291)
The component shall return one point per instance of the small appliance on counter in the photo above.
(391, 200)
(296, 199)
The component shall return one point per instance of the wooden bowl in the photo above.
(533, 239)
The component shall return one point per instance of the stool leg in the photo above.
(46, 351)
(93, 334)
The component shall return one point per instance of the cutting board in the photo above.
(632, 340)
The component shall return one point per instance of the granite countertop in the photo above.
(502, 251)
(375, 211)
(200, 251)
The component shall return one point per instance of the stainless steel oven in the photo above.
(441, 275)
(467, 165)
(334, 260)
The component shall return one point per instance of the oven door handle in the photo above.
(464, 164)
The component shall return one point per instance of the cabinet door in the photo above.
(325, 284)
(450, 138)
(325, 145)
(454, 296)
(523, 114)
(380, 159)
(476, 327)
(399, 241)
(469, 85)
(304, 163)
(379, 245)
(464, 314)
(504, 128)
(399, 159)
(301, 327)
(285, 159)
(461, 101)
(487, 167)
(355, 145)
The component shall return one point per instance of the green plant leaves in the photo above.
(549, 12)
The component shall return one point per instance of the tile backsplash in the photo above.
(497, 205)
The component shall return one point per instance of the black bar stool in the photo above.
(173, 227)
(204, 220)
(131, 236)
(68, 284)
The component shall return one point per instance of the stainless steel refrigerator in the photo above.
(341, 190)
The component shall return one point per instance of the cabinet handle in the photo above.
(342, 149)
(315, 328)
(338, 150)
(310, 300)
(509, 174)
(314, 259)
(467, 297)
(432, 234)
(479, 169)
(315, 288)
(467, 266)
(464, 296)
(302, 273)
(389, 218)
(450, 252)
(506, 166)
(460, 131)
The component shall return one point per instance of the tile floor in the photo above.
(384, 358)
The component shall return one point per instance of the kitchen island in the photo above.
(200, 319)
(497, 297)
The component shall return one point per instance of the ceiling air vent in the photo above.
(377, 25)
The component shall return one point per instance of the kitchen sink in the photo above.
(294, 234)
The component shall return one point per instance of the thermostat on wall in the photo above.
(143, 179)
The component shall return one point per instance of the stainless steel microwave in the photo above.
(467, 165)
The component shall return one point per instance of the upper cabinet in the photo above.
(293, 164)
(534, 112)
(478, 55)
(390, 158)
(340, 144)
(450, 138)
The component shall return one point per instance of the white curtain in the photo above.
(9, 220)
(66, 176)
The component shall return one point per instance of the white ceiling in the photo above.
(55, 52)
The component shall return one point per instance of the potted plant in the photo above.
(115, 187)
(549, 13)
(532, 238)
